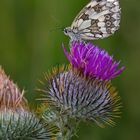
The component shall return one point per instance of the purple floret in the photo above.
(93, 61)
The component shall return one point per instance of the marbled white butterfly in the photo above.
(98, 19)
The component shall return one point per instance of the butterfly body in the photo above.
(98, 19)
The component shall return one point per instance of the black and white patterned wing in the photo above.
(98, 19)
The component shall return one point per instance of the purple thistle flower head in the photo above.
(93, 61)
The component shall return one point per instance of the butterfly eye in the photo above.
(65, 31)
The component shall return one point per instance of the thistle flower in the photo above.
(16, 121)
(93, 61)
(83, 90)
(82, 98)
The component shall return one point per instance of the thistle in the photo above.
(92, 61)
(83, 91)
(16, 121)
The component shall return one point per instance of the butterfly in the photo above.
(98, 19)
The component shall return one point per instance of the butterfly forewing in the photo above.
(98, 19)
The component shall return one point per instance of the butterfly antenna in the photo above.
(56, 29)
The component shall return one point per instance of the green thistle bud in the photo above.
(23, 126)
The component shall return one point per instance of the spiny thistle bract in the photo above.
(16, 121)
(25, 126)
(10, 95)
(81, 98)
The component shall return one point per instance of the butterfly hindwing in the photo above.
(98, 19)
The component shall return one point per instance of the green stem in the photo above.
(67, 127)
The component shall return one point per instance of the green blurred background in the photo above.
(30, 44)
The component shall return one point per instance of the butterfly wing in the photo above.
(98, 19)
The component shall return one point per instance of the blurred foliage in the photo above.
(30, 44)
